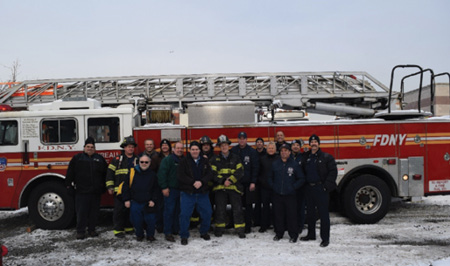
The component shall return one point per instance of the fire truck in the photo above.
(381, 151)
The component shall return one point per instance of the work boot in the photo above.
(324, 243)
(120, 235)
(81, 236)
(205, 237)
(184, 241)
(170, 238)
(93, 234)
(140, 238)
(152, 239)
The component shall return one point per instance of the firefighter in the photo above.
(227, 173)
(250, 161)
(167, 179)
(260, 147)
(285, 178)
(280, 140)
(194, 173)
(207, 150)
(149, 150)
(140, 196)
(265, 167)
(296, 146)
(321, 172)
(117, 173)
(86, 175)
(261, 150)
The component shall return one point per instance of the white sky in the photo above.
(62, 39)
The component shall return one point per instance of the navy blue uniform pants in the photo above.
(317, 198)
(87, 207)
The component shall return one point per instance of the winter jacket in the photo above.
(167, 173)
(250, 161)
(265, 169)
(326, 168)
(143, 187)
(87, 173)
(118, 171)
(286, 177)
(189, 172)
(227, 168)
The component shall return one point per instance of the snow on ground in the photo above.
(416, 233)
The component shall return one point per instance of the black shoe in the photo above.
(248, 230)
(184, 241)
(151, 238)
(324, 243)
(277, 238)
(293, 240)
(120, 235)
(218, 233)
(307, 238)
(241, 235)
(170, 238)
(81, 236)
(205, 237)
(93, 234)
(262, 230)
(140, 238)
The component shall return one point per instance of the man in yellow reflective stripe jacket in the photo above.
(227, 173)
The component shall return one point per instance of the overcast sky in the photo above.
(64, 39)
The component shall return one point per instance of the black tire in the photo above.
(50, 206)
(366, 199)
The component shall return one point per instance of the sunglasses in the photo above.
(146, 162)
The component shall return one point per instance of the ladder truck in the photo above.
(381, 151)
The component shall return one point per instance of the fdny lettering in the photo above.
(55, 148)
(389, 140)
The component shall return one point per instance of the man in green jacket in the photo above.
(167, 179)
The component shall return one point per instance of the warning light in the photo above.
(5, 107)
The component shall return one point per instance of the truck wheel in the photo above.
(50, 207)
(366, 199)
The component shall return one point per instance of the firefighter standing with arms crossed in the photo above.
(117, 173)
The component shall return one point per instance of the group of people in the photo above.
(168, 191)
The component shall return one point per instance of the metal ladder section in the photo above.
(357, 89)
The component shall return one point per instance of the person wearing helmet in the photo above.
(207, 150)
(227, 174)
(116, 175)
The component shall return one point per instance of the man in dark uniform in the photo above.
(86, 174)
(321, 172)
(250, 161)
(285, 178)
(280, 140)
(296, 146)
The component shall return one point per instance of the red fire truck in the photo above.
(380, 154)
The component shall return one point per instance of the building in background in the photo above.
(441, 99)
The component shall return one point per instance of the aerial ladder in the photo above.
(343, 93)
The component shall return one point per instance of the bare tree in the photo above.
(14, 68)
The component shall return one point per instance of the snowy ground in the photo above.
(411, 234)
